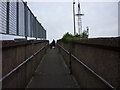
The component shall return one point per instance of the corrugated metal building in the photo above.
(17, 19)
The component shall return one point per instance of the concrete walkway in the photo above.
(52, 73)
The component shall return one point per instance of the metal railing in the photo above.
(89, 69)
(23, 63)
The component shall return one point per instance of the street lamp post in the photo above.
(74, 16)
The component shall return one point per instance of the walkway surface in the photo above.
(52, 73)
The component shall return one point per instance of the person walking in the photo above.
(52, 45)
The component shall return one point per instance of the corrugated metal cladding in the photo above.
(44, 34)
(29, 26)
(42, 31)
(34, 27)
(21, 19)
(37, 28)
(12, 17)
(3, 16)
(39, 31)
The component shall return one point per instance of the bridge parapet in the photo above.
(102, 55)
(20, 59)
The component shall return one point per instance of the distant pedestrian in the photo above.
(52, 45)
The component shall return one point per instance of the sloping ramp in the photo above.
(52, 73)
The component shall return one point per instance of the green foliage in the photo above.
(84, 34)
(69, 37)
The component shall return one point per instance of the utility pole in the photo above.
(79, 19)
(74, 16)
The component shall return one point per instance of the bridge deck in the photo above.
(52, 73)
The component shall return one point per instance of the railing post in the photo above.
(7, 21)
(70, 66)
(17, 31)
(25, 18)
(70, 55)
(36, 28)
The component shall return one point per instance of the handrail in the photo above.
(16, 68)
(88, 68)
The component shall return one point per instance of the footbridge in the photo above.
(26, 63)
(87, 63)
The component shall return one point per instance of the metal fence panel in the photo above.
(29, 26)
(21, 19)
(17, 19)
(3, 16)
(12, 17)
(44, 34)
(39, 30)
(34, 27)
(37, 26)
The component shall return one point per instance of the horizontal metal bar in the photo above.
(40, 50)
(108, 84)
(64, 49)
(88, 68)
(28, 59)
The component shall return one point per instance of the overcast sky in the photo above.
(57, 18)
